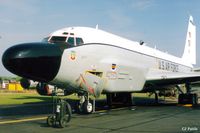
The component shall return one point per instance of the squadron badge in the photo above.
(73, 55)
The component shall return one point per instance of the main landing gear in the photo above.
(188, 97)
(85, 106)
(122, 98)
(61, 113)
(156, 97)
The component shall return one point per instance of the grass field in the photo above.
(22, 98)
(9, 98)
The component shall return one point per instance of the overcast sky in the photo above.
(157, 22)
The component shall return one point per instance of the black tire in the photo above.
(63, 122)
(78, 108)
(87, 107)
(188, 99)
(197, 99)
(69, 112)
(67, 117)
(180, 99)
(194, 99)
(50, 120)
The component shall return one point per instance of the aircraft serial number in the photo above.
(169, 66)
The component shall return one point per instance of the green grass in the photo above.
(22, 98)
(25, 98)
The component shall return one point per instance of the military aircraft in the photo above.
(90, 61)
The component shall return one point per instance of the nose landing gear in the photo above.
(85, 106)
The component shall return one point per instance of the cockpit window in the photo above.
(65, 41)
(58, 39)
(79, 41)
(70, 41)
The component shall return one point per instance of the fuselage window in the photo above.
(58, 39)
(70, 41)
(79, 41)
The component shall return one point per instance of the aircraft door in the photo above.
(92, 83)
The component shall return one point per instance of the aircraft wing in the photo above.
(165, 78)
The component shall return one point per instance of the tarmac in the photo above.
(144, 117)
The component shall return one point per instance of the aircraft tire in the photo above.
(180, 99)
(66, 117)
(194, 99)
(188, 99)
(50, 120)
(78, 108)
(87, 107)
(69, 112)
(63, 122)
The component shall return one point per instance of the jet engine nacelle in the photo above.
(25, 83)
(170, 91)
(167, 93)
(43, 89)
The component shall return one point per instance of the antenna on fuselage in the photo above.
(141, 42)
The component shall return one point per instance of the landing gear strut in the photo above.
(61, 113)
(188, 98)
(156, 98)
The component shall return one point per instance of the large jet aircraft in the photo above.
(90, 61)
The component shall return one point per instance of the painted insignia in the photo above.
(73, 55)
(113, 66)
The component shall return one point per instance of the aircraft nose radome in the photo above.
(36, 61)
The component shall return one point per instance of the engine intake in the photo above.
(43, 89)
